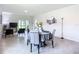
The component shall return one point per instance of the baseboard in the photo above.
(69, 38)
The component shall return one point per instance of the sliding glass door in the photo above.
(23, 24)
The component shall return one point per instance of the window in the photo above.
(23, 24)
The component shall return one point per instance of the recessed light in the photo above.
(25, 11)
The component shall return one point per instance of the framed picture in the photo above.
(51, 21)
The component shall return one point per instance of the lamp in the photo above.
(62, 28)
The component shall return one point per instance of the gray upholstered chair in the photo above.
(34, 39)
(53, 37)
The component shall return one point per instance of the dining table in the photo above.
(43, 37)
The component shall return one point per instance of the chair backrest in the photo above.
(53, 33)
(21, 31)
(34, 37)
(9, 31)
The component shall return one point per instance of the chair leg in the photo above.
(52, 44)
(27, 42)
(31, 48)
(38, 49)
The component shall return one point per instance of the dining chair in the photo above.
(21, 31)
(53, 37)
(34, 40)
(28, 38)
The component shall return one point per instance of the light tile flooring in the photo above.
(18, 45)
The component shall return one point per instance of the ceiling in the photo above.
(33, 9)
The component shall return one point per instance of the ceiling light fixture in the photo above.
(25, 11)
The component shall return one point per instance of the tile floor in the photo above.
(18, 45)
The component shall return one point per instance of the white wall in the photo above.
(71, 21)
(16, 18)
